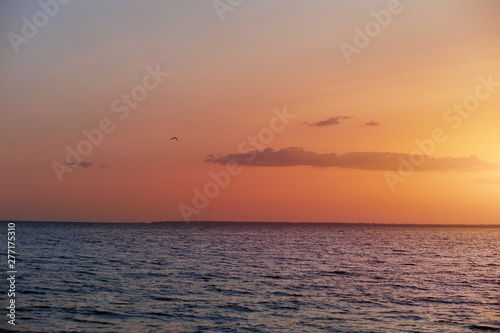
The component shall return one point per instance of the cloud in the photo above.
(329, 121)
(488, 181)
(294, 156)
(83, 164)
(372, 123)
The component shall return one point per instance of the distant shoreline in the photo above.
(340, 224)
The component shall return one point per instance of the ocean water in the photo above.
(250, 277)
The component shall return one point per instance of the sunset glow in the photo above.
(402, 130)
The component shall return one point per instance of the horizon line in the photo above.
(270, 222)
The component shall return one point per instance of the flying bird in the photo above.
(174, 137)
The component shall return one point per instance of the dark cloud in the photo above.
(372, 123)
(83, 164)
(329, 121)
(294, 156)
(489, 181)
(103, 166)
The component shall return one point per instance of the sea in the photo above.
(252, 277)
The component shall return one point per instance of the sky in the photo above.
(284, 110)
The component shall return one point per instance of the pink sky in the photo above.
(338, 157)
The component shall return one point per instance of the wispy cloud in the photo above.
(372, 123)
(329, 122)
(82, 164)
(85, 164)
(489, 181)
(294, 156)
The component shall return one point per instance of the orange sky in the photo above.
(353, 117)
